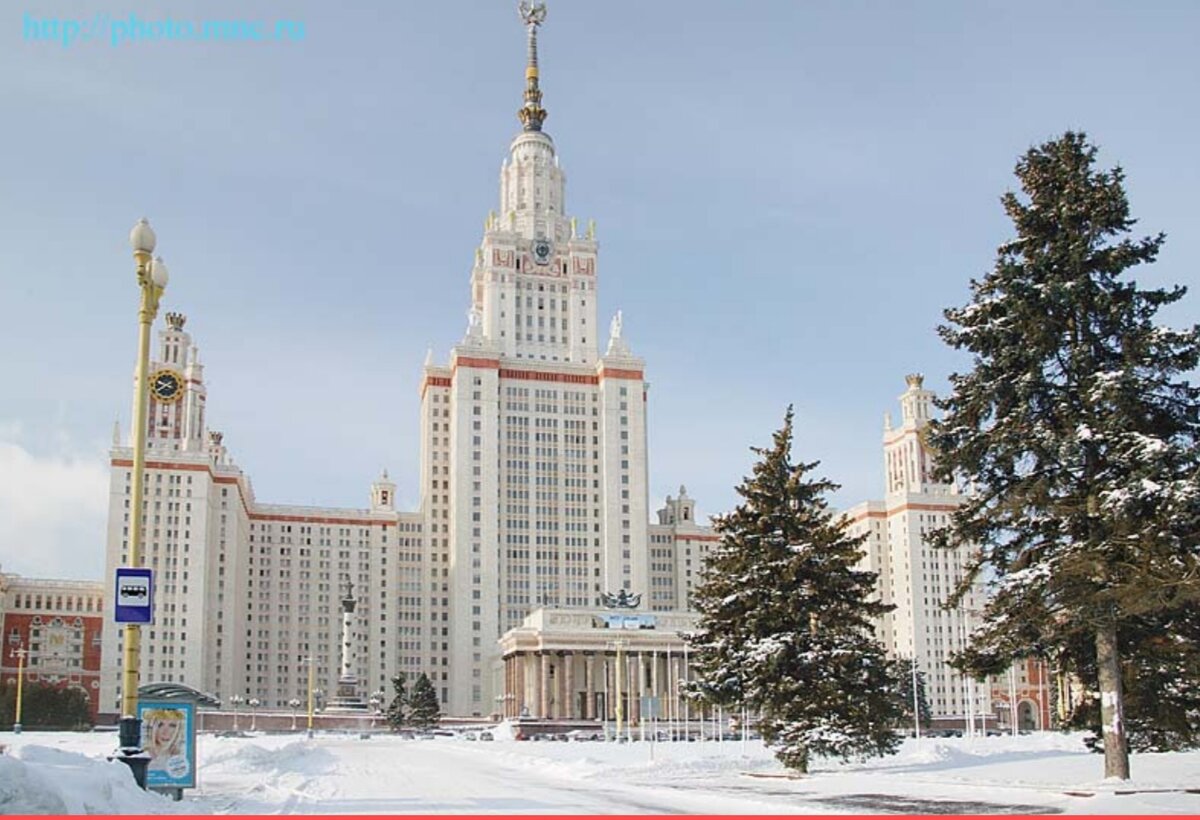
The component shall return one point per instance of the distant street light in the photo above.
(295, 704)
(236, 700)
(254, 703)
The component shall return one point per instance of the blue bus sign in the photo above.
(135, 595)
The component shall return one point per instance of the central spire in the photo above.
(532, 115)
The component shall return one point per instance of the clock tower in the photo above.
(533, 284)
(176, 392)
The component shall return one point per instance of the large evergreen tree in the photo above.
(397, 711)
(1160, 677)
(1076, 430)
(786, 620)
(424, 710)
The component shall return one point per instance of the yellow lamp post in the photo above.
(620, 711)
(152, 281)
(19, 653)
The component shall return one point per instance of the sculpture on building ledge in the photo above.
(624, 599)
(616, 345)
(474, 326)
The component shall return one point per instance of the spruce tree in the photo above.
(1160, 676)
(1076, 432)
(785, 624)
(424, 710)
(397, 711)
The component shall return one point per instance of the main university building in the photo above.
(534, 506)
(533, 491)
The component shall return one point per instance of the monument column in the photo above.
(544, 686)
(347, 696)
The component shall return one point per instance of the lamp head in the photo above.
(142, 238)
(158, 273)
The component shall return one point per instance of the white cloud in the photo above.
(53, 512)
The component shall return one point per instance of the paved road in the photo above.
(389, 776)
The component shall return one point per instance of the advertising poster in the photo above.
(169, 737)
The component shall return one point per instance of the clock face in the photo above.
(166, 385)
(541, 251)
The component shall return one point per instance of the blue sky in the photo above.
(787, 195)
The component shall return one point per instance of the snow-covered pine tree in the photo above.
(423, 707)
(397, 714)
(1160, 655)
(786, 620)
(1075, 428)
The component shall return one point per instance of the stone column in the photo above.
(609, 713)
(504, 689)
(589, 680)
(544, 686)
(521, 699)
(511, 693)
(654, 679)
(641, 683)
(569, 684)
(533, 680)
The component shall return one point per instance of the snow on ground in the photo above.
(343, 774)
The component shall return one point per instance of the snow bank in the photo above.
(40, 780)
(297, 756)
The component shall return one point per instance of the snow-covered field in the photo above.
(342, 774)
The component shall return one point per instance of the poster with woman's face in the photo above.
(168, 738)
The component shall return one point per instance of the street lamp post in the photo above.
(236, 700)
(309, 660)
(376, 701)
(619, 646)
(152, 281)
(254, 704)
(19, 653)
(295, 704)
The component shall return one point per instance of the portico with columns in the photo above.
(578, 664)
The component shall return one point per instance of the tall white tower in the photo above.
(533, 440)
(914, 576)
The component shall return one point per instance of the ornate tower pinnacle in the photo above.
(532, 115)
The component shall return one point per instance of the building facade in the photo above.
(533, 486)
(1022, 696)
(597, 664)
(914, 577)
(58, 626)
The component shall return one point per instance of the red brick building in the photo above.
(1027, 684)
(58, 623)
